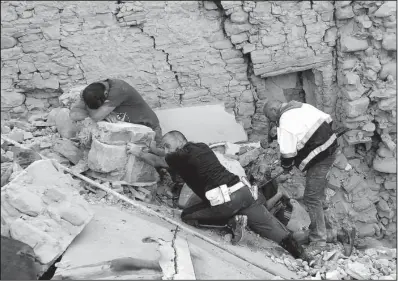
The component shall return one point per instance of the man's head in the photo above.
(172, 141)
(94, 95)
(272, 109)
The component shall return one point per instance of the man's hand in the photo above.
(134, 149)
(152, 146)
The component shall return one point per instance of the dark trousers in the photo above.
(314, 196)
(259, 219)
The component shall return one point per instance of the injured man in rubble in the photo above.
(227, 200)
(115, 100)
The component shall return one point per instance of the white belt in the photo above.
(236, 187)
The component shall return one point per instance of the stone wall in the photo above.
(341, 53)
(366, 53)
(174, 53)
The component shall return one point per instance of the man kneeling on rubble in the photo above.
(115, 100)
(227, 200)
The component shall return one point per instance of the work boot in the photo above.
(292, 246)
(237, 226)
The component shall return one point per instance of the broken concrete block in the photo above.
(248, 157)
(385, 165)
(65, 126)
(68, 149)
(123, 133)
(357, 107)
(185, 269)
(358, 271)
(106, 158)
(108, 153)
(205, 123)
(42, 208)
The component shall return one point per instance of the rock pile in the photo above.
(42, 207)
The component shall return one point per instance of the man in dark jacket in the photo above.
(227, 199)
(115, 100)
(306, 140)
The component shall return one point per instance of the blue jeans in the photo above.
(314, 196)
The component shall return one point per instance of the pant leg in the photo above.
(314, 195)
(261, 221)
(204, 213)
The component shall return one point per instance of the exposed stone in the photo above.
(106, 158)
(239, 17)
(7, 42)
(385, 165)
(388, 8)
(352, 44)
(68, 149)
(357, 107)
(73, 95)
(388, 69)
(10, 99)
(65, 126)
(358, 271)
(39, 192)
(390, 41)
(344, 13)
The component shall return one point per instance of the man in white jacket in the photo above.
(306, 140)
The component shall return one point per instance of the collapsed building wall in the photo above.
(341, 54)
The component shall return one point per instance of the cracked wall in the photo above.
(239, 52)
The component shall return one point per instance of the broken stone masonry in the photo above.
(339, 56)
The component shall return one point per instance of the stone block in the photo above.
(269, 41)
(69, 150)
(221, 45)
(250, 156)
(138, 171)
(239, 17)
(357, 107)
(387, 9)
(122, 133)
(65, 126)
(358, 271)
(352, 182)
(352, 44)
(385, 165)
(389, 42)
(239, 38)
(388, 104)
(343, 13)
(8, 42)
(107, 158)
(389, 68)
(28, 204)
(11, 99)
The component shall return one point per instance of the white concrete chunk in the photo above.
(206, 123)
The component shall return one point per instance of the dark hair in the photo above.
(94, 95)
(177, 135)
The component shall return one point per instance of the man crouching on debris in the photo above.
(115, 100)
(306, 140)
(227, 200)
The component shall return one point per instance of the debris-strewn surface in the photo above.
(42, 207)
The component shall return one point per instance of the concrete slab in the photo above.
(185, 270)
(205, 123)
(114, 234)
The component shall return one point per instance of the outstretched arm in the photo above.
(149, 158)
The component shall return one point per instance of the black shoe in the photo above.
(293, 247)
(237, 225)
